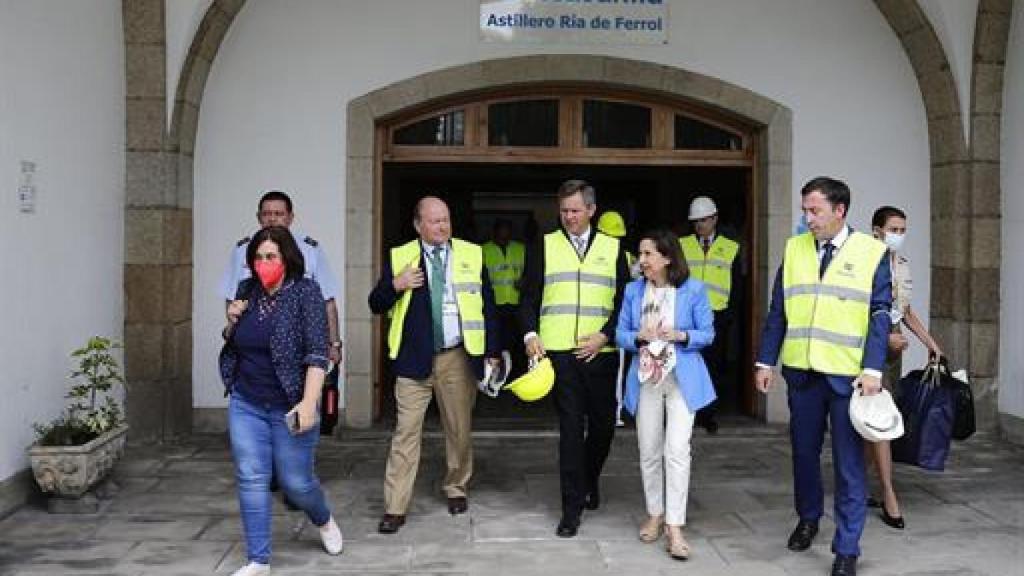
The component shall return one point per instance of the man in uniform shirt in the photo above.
(275, 209)
(712, 260)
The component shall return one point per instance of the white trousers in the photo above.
(664, 425)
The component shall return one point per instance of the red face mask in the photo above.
(270, 272)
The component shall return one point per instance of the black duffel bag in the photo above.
(928, 410)
(964, 425)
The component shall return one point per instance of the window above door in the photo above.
(569, 124)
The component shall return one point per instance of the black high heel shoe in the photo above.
(892, 521)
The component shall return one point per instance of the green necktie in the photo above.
(437, 297)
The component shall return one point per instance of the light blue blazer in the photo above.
(692, 315)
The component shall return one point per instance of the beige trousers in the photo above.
(453, 385)
(664, 425)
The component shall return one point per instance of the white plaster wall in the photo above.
(954, 24)
(61, 106)
(182, 18)
(274, 110)
(1011, 323)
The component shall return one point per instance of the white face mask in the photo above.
(894, 241)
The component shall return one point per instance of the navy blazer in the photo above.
(875, 344)
(416, 354)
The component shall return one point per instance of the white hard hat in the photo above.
(494, 378)
(702, 207)
(875, 417)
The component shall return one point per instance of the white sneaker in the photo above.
(253, 569)
(330, 535)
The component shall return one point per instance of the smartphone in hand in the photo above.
(292, 420)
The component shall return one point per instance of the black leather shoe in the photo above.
(457, 505)
(568, 526)
(892, 521)
(390, 523)
(592, 501)
(802, 536)
(844, 566)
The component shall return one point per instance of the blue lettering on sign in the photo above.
(519, 20)
(638, 24)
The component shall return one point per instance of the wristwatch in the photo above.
(336, 344)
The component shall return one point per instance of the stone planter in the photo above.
(70, 471)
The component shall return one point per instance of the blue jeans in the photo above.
(260, 440)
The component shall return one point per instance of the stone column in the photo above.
(158, 242)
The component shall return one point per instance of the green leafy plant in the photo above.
(93, 410)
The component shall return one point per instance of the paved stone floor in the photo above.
(176, 513)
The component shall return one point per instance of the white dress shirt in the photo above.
(450, 324)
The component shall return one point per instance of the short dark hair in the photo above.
(572, 187)
(883, 214)
(275, 195)
(667, 244)
(294, 263)
(835, 191)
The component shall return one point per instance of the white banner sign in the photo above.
(575, 21)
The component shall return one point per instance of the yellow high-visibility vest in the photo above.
(714, 269)
(505, 268)
(467, 267)
(579, 296)
(827, 319)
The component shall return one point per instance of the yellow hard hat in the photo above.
(612, 224)
(535, 384)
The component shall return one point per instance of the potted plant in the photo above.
(76, 450)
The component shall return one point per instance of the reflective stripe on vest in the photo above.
(827, 320)
(713, 268)
(467, 267)
(578, 297)
(505, 267)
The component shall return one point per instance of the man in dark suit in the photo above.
(572, 292)
(829, 322)
(443, 324)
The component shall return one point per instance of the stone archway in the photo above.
(158, 217)
(965, 192)
(773, 175)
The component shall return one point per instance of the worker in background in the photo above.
(505, 260)
(612, 224)
(712, 260)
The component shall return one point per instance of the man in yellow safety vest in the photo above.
(829, 322)
(712, 260)
(571, 298)
(505, 260)
(437, 293)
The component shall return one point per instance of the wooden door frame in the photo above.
(772, 183)
(571, 152)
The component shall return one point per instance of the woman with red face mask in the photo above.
(273, 368)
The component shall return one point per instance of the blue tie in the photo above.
(826, 258)
(437, 297)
